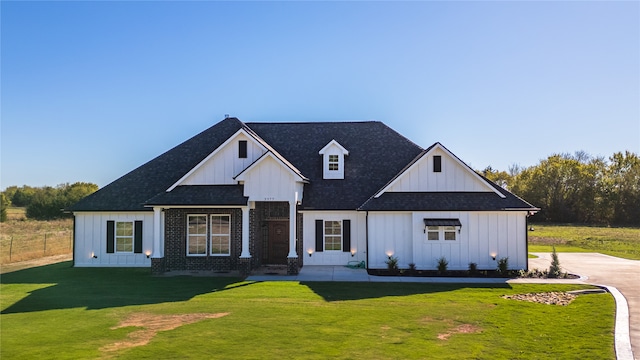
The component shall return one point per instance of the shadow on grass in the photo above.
(335, 291)
(65, 287)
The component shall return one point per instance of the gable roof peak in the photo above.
(331, 143)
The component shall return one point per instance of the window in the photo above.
(449, 233)
(332, 235)
(333, 162)
(435, 233)
(242, 149)
(196, 234)
(437, 163)
(220, 234)
(124, 236)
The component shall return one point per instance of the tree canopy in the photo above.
(47, 202)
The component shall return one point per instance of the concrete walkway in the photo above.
(594, 268)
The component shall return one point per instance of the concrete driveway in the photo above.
(602, 269)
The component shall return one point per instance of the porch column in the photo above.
(292, 228)
(245, 233)
(157, 235)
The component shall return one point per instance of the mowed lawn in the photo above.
(615, 241)
(60, 312)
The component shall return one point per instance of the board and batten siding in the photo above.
(270, 181)
(225, 164)
(482, 233)
(453, 176)
(358, 238)
(91, 239)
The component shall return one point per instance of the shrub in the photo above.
(442, 264)
(392, 264)
(554, 269)
(473, 268)
(503, 266)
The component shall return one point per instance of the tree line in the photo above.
(578, 188)
(44, 203)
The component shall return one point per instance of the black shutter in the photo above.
(346, 235)
(111, 238)
(319, 235)
(437, 163)
(137, 237)
(242, 149)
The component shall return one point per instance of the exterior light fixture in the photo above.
(389, 253)
(148, 253)
(93, 255)
(353, 252)
(310, 252)
(493, 255)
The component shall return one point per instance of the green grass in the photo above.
(615, 241)
(60, 312)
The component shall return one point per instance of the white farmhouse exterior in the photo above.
(241, 195)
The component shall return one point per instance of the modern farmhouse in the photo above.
(241, 195)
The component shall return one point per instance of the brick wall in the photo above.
(175, 253)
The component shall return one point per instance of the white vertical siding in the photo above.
(482, 233)
(358, 237)
(225, 164)
(453, 177)
(270, 181)
(390, 233)
(91, 238)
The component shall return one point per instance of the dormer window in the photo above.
(333, 160)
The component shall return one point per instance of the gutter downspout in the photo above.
(73, 246)
(366, 235)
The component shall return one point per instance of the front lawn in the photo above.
(60, 312)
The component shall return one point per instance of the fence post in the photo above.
(10, 248)
(45, 244)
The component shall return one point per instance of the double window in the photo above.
(436, 233)
(217, 231)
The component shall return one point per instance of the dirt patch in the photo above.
(152, 324)
(549, 298)
(21, 265)
(460, 329)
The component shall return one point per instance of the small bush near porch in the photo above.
(61, 312)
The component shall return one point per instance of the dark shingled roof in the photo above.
(193, 195)
(131, 191)
(376, 154)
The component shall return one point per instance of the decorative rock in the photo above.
(550, 298)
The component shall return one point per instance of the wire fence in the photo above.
(33, 246)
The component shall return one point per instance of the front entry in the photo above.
(278, 248)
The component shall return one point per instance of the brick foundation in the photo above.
(244, 266)
(157, 266)
(292, 266)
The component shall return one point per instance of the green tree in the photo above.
(623, 188)
(4, 204)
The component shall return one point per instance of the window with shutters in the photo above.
(332, 235)
(124, 237)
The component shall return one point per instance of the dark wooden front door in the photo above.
(278, 242)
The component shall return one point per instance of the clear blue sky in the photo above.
(91, 90)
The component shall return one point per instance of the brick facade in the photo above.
(175, 252)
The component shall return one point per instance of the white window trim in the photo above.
(116, 237)
(324, 235)
(205, 234)
(441, 232)
(211, 235)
